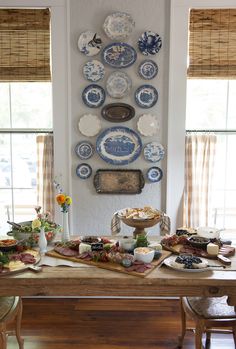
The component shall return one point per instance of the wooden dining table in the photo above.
(97, 282)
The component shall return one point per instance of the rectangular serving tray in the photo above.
(118, 181)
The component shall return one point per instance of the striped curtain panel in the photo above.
(199, 166)
(45, 174)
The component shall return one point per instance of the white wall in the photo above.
(92, 212)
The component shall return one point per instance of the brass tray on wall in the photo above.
(118, 112)
(118, 181)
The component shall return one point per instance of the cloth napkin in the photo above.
(165, 224)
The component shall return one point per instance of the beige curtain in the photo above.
(45, 175)
(199, 166)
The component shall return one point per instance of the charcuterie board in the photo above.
(18, 266)
(113, 266)
(225, 250)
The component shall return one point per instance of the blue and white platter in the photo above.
(89, 43)
(119, 55)
(93, 70)
(119, 145)
(84, 150)
(149, 43)
(148, 69)
(93, 96)
(118, 25)
(146, 96)
(154, 174)
(153, 152)
(118, 84)
(83, 171)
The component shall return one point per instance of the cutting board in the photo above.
(113, 266)
(225, 250)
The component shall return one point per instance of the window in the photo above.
(211, 88)
(25, 109)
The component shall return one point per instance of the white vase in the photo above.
(42, 241)
(65, 227)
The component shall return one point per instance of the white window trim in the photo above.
(177, 100)
(60, 84)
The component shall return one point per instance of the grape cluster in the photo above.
(188, 261)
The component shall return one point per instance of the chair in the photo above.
(10, 309)
(208, 315)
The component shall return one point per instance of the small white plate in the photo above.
(89, 125)
(169, 263)
(118, 84)
(89, 43)
(148, 125)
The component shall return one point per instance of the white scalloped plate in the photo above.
(118, 84)
(148, 125)
(89, 125)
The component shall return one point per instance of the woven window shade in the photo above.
(212, 43)
(25, 45)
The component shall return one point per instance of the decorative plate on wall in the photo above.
(154, 174)
(118, 112)
(119, 55)
(119, 145)
(84, 150)
(118, 25)
(118, 84)
(89, 43)
(93, 96)
(148, 69)
(89, 125)
(149, 43)
(148, 125)
(93, 70)
(83, 171)
(146, 96)
(154, 152)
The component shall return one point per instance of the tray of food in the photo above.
(110, 255)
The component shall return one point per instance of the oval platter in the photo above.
(119, 55)
(119, 145)
(118, 112)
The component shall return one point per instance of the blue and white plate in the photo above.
(119, 55)
(118, 84)
(118, 25)
(89, 43)
(149, 43)
(83, 171)
(154, 152)
(93, 96)
(148, 69)
(119, 145)
(84, 150)
(146, 96)
(93, 70)
(154, 174)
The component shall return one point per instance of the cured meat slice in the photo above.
(66, 251)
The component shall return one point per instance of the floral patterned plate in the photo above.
(118, 84)
(148, 69)
(93, 70)
(93, 96)
(118, 25)
(153, 152)
(84, 150)
(149, 43)
(83, 171)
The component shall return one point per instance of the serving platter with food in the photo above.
(16, 257)
(198, 246)
(110, 255)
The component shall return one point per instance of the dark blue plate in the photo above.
(146, 96)
(83, 171)
(149, 43)
(154, 174)
(93, 96)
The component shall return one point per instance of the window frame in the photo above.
(59, 61)
(179, 13)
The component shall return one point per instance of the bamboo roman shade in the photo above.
(25, 45)
(212, 43)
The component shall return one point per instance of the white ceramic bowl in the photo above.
(144, 254)
(127, 243)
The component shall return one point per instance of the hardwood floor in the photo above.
(84, 324)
